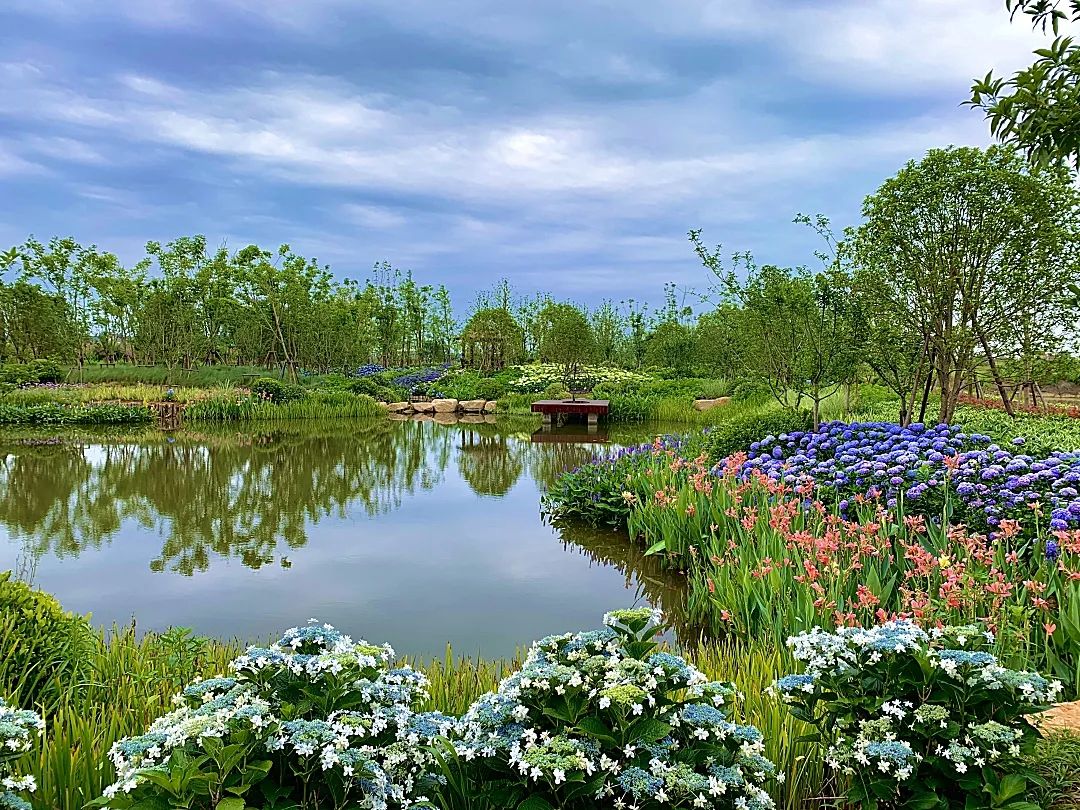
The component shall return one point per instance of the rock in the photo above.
(444, 418)
(1062, 717)
(472, 405)
(490, 406)
(472, 418)
(400, 407)
(707, 404)
(424, 407)
(490, 418)
(445, 405)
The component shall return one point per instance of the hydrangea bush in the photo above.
(930, 468)
(915, 719)
(535, 378)
(605, 719)
(314, 721)
(18, 728)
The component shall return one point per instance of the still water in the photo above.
(413, 532)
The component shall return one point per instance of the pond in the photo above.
(413, 532)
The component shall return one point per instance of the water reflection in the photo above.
(431, 532)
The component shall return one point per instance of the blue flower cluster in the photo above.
(883, 460)
(369, 370)
(17, 730)
(422, 380)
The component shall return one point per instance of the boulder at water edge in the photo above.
(445, 405)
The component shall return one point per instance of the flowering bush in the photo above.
(603, 718)
(766, 556)
(533, 379)
(314, 721)
(422, 381)
(18, 728)
(930, 468)
(918, 720)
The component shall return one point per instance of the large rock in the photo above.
(706, 404)
(490, 406)
(400, 407)
(445, 405)
(424, 407)
(446, 418)
(472, 405)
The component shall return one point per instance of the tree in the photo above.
(671, 345)
(491, 339)
(1037, 111)
(961, 247)
(568, 340)
(797, 326)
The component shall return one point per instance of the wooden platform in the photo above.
(556, 411)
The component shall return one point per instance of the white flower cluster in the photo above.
(588, 709)
(376, 750)
(18, 728)
(920, 720)
(536, 377)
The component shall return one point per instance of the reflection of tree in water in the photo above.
(664, 588)
(490, 462)
(216, 494)
(253, 494)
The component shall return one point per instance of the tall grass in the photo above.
(238, 407)
(111, 392)
(204, 377)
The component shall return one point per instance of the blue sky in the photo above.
(567, 145)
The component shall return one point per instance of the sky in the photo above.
(566, 145)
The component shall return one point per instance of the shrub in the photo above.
(315, 720)
(489, 388)
(276, 391)
(603, 718)
(751, 390)
(42, 647)
(374, 388)
(741, 430)
(533, 379)
(918, 720)
(557, 390)
(18, 728)
(57, 414)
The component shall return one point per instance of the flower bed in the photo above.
(18, 727)
(768, 552)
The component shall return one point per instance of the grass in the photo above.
(204, 377)
(1056, 762)
(111, 392)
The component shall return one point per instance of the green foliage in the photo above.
(36, 371)
(916, 720)
(568, 341)
(1056, 765)
(375, 388)
(751, 390)
(43, 649)
(1041, 435)
(739, 432)
(53, 414)
(1036, 110)
(276, 391)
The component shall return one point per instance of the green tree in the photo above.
(671, 345)
(964, 245)
(491, 340)
(1037, 110)
(568, 340)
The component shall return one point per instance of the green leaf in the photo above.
(231, 803)
(656, 548)
(595, 727)
(535, 803)
(650, 730)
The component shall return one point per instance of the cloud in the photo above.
(567, 144)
